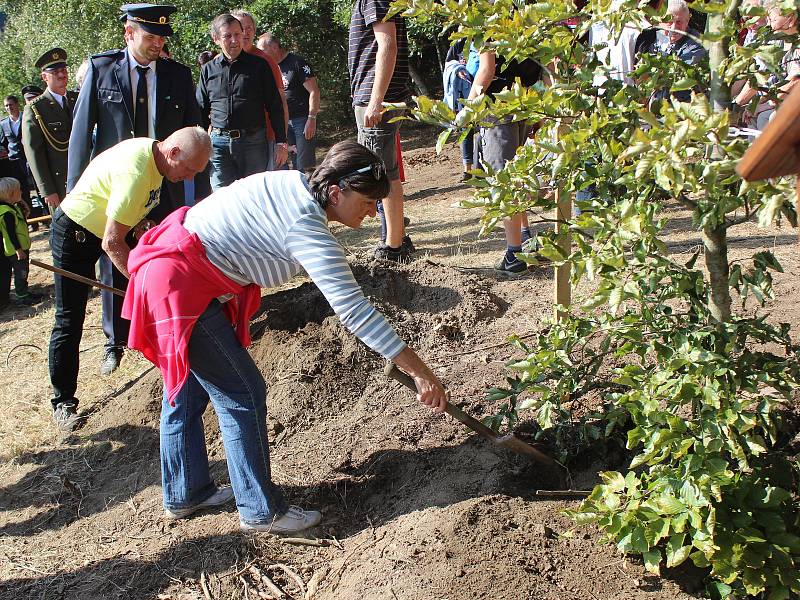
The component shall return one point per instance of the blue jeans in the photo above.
(223, 371)
(235, 158)
(306, 149)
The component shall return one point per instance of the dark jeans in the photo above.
(9, 265)
(305, 154)
(235, 158)
(77, 250)
(468, 149)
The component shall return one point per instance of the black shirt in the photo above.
(528, 71)
(295, 71)
(363, 49)
(235, 94)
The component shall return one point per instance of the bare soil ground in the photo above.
(414, 506)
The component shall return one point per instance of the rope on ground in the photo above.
(8, 356)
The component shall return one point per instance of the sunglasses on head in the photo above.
(375, 168)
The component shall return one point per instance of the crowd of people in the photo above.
(123, 164)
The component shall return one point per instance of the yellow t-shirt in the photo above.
(121, 183)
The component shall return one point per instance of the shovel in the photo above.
(76, 277)
(509, 442)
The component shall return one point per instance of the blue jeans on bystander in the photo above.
(233, 158)
(305, 156)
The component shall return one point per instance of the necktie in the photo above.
(141, 111)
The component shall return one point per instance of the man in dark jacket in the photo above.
(132, 93)
(11, 141)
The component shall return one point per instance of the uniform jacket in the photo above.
(10, 141)
(45, 135)
(106, 101)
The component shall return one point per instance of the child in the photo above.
(16, 243)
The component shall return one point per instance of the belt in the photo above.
(233, 133)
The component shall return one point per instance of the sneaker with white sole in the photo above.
(293, 520)
(223, 494)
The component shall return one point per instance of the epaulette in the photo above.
(106, 54)
(36, 100)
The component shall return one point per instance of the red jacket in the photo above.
(172, 283)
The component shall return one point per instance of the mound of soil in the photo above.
(415, 506)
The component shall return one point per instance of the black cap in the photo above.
(54, 58)
(31, 91)
(153, 18)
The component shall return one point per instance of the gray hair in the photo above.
(191, 140)
(677, 6)
(241, 13)
(8, 185)
(219, 22)
(270, 38)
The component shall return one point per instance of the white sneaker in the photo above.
(223, 494)
(293, 520)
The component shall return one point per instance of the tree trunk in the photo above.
(715, 240)
(422, 87)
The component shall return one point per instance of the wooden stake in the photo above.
(563, 289)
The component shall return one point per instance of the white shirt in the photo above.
(618, 53)
(151, 91)
(58, 97)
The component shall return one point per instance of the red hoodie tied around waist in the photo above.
(172, 283)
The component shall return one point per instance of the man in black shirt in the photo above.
(235, 89)
(302, 99)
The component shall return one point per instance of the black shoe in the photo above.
(465, 176)
(513, 266)
(29, 299)
(110, 362)
(384, 252)
(408, 244)
(66, 417)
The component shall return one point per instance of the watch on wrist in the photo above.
(283, 145)
(312, 116)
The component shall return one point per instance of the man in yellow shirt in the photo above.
(111, 199)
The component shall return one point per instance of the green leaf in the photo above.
(676, 552)
(652, 560)
(442, 140)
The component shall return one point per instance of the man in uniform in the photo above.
(118, 189)
(128, 93)
(29, 92)
(46, 125)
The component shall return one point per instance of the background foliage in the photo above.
(317, 29)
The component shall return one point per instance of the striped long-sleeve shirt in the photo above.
(267, 227)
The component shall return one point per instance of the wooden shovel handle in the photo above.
(393, 372)
(76, 277)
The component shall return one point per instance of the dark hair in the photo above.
(338, 168)
(220, 21)
(12, 97)
(204, 57)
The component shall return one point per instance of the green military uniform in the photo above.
(46, 126)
